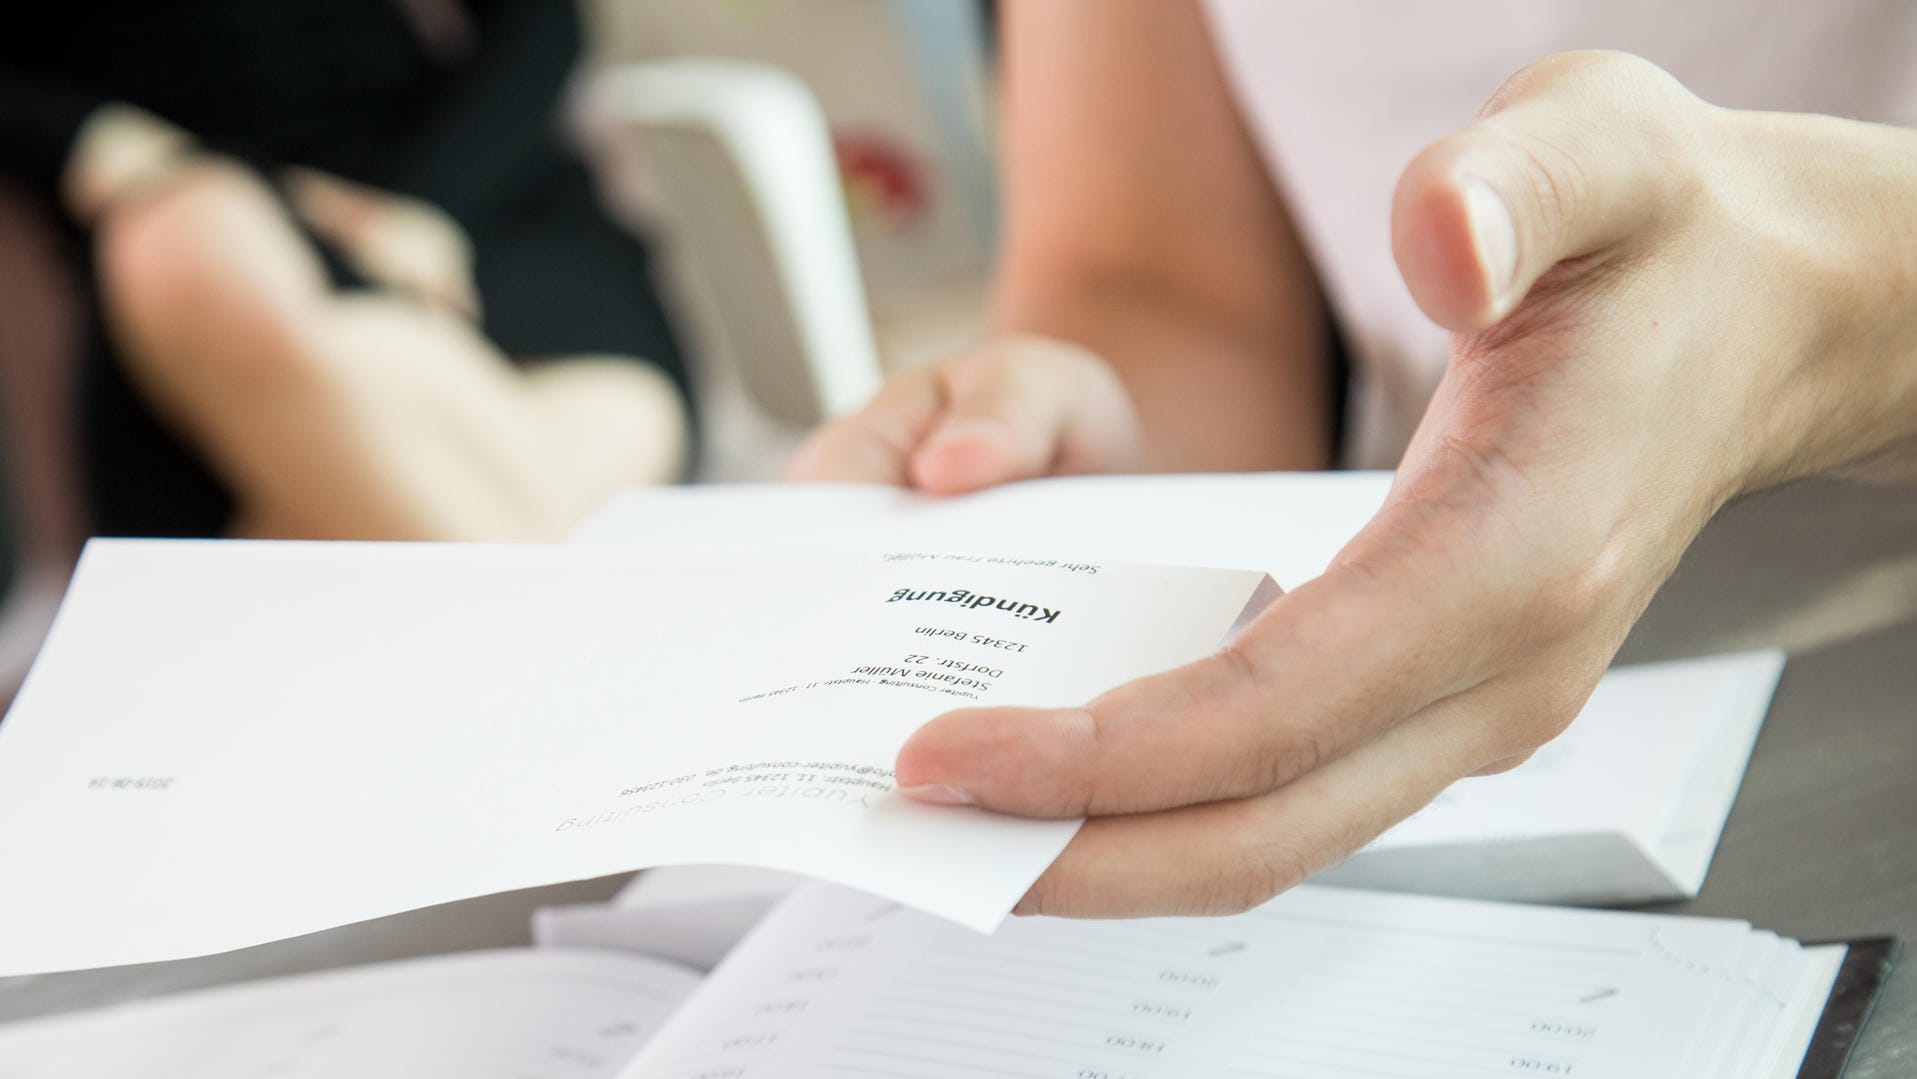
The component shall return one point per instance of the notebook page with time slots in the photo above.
(518, 1014)
(1320, 983)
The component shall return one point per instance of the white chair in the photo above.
(757, 244)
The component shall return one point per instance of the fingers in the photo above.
(1562, 164)
(1225, 857)
(402, 243)
(1031, 407)
(1504, 764)
(1437, 594)
(1017, 408)
(1000, 423)
(118, 152)
(1395, 627)
(874, 444)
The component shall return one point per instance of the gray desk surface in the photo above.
(1822, 843)
(1823, 840)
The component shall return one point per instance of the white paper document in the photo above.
(1288, 524)
(689, 914)
(227, 743)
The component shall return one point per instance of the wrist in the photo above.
(1838, 217)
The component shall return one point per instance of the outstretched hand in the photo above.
(1016, 408)
(1658, 305)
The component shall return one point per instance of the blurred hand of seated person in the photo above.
(1657, 305)
(371, 297)
(374, 414)
(404, 244)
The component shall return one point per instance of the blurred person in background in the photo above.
(346, 281)
(1579, 324)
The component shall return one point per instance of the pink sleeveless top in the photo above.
(1341, 93)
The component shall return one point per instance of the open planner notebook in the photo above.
(1319, 983)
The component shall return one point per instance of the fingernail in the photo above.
(939, 794)
(1496, 238)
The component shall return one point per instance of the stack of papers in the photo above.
(1625, 807)
(1318, 984)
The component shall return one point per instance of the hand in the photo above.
(1015, 408)
(123, 153)
(402, 243)
(1659, 305)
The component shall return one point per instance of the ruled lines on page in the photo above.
(519, 1014)
(1321, 983)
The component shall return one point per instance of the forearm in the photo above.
(1212, 393)
(1141, 223)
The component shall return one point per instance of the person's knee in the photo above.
(210, 274)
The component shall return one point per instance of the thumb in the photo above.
(1024, 407)
(1574, 156)
(874, 444)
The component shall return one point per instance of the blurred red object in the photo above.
(882, 178)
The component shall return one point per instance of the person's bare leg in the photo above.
(616, 422)
(359, 416)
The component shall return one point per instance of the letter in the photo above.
(1007, 605)
(1050, 615)
(983, 601)
(1027, 610)
(959, 596)
(902, 593)
(566, 824)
